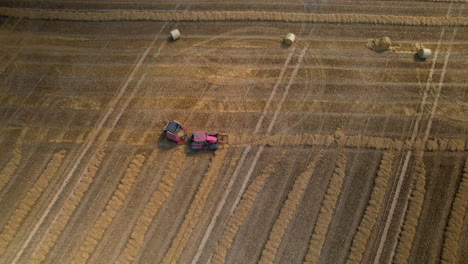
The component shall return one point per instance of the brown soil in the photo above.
(336, 153)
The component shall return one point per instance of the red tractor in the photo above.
(175, 131)
(202, 140)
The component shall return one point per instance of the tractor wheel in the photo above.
(213, 146)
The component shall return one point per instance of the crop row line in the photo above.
(233, 16)
(67, 210)
(411, 220)
(373, 209)
(164, 189)
(289, 210)
(150, 137)
(14, 161)
(242, 210)
(454, 231)
(113, 207)
(27, 203)
(196, 207)
(327, 209)
(359, 141)
(298, 104)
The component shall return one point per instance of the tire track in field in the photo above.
(164, 189)
(373, 209)
(210, 105)
(439, 88)
(196, 208)
(28, 202)
(113, 207)
(327, 209)
(359, 141)
(452, 236)
(61, 220)
(248, 148)
(288, 211)
(92, 136)
(15, 160)
(149, 137)
(113, 15)
(241, 212)
(432, 106)
(411, 220)
(401, 175)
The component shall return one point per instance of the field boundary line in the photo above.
(336, 18)
(92, 136)
(27, 203)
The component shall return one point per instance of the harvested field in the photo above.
(344, 147)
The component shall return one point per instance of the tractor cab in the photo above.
(202, 140)
(175, 131)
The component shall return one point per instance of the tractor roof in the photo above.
(173, 126)
(199, 136)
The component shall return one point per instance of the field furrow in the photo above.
(452, 237)
(326, 210)
(196, 208)
(69, 207)
(112, 208)
(408, 230)
(29, 201)
(373, 209)
(242, 210)
(236, 16)
(288, 211)
(342, 146)
(14, 161)
(135, 242)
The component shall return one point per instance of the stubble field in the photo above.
(336, 154)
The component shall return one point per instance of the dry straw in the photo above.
(234, 16)
(15, 160)
(453, 238)
(113, 207)
(196, 208)
(359, 141)
(288, 211)
(158, 198)
(27, 203)
(326, 210)
(373, 209)
(242, 210)
(56, 228)
(408, 230)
